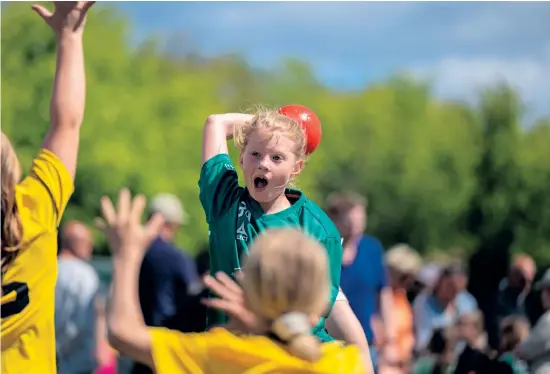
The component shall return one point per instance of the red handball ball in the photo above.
(309, 121)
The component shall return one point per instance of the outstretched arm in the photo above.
(342, 324)
(69, 87)
(128, 240)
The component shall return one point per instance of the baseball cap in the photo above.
(170, 207)
(429, 274)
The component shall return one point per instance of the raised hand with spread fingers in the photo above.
(128, 240)
(122, 226)
(68, 17)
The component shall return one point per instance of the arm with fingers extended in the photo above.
(69, 86)
(126, 329)
(342, 324)
(128, 240)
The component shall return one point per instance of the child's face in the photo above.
(268, 164)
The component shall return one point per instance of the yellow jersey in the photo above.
(219, 351)
(28, 286)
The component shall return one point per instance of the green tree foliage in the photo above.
(438, 175)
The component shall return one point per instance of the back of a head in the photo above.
(286, 285)
(12, 228)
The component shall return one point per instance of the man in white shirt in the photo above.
(75, 294)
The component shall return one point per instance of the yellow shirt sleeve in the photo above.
(176, 352)
(47, 189)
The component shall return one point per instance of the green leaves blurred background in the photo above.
(442, 176)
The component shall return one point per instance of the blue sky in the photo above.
(459, 46)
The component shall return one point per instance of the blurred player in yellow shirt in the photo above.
(285, 290)
(32, 208)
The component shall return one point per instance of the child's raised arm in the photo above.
(69, 87)
(218, 128)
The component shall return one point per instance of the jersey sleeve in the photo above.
(176, 352)
(218, 185)
(49, 186)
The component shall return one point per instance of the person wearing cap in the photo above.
(536, 348)
(403, 264)
(168, 279)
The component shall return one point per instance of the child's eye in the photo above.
(255, 154)
(277, 158)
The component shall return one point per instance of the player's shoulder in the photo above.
(318, 221)
(220, 160)
(341, 358)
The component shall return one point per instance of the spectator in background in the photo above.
(403, 264)
(536, 348)
(168, 279)
(75, 296)
(515, 287)
(513, 330)
(437, 307)
(440, 354)
(464, 299)
(471, 332)
(364, 280)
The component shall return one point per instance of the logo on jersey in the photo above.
(243, 220)
(241, 233)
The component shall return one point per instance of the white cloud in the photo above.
(462, 78)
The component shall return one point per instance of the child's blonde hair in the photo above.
(286, 285)
(276, 124)
(474, 317)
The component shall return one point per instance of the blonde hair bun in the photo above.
(290, 324)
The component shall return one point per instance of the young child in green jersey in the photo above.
(272, 155)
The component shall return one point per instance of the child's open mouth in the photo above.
(260, 182)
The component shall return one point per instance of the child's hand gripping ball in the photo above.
(309, 121)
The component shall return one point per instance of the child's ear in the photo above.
(241, 158)
(297, 168)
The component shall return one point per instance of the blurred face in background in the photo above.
(522, 273)
(84, 245)
(446, 289)
(354, 222)
(461, 280)
(470, 327)
(170, 230)
(78, 239)
(399, 279)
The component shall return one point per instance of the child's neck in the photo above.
(278, 205)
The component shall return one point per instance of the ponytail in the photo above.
(306, 347)
(12, 228)
(294, 329)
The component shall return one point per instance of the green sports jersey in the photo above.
(234, 219)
